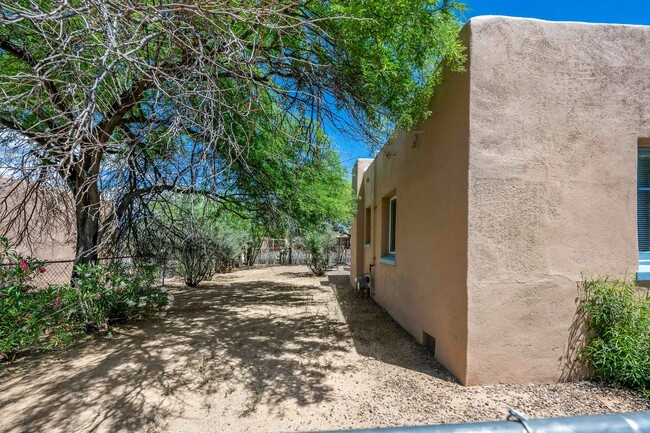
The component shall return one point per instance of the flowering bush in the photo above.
(22, 318)
(57, 315)
(108, 294)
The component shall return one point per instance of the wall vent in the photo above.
(429, 343)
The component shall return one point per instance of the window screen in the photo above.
(368, 226)
(391, 224)
(643, 199)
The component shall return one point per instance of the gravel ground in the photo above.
(267, 349)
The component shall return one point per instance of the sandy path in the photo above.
(270, 349)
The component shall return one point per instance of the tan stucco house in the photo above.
(45, 237)
(524, 177)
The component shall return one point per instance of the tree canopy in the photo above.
(126, 103)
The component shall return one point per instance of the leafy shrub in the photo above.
(108, 294)
(319, 244)
(209, 246)
(58, 315)
(201, 256)
(617, 314)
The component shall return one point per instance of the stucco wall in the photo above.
(523, 179)
(358, 224)
(43, 239)
(556, 112)
(426, 289)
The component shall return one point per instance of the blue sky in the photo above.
(599, 11)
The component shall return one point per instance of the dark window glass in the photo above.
(368, 226)
(643, 199)
(391, 225)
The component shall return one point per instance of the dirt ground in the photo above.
(269, 349)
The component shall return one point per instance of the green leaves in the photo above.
(390, 54)
(52, 316)
(319, 244)
(617, 316)
(135, 100)
(376, 59)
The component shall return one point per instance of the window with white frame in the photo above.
(643, 212)
(643, 199)
(368, 226)
(392, 214)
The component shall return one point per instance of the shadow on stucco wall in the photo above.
(571, 368)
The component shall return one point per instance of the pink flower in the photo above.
(2, 357)
(9, 263)
(57, 303)
(41, 270)
(118, 289)
(98, 295)
(23, 264)
(28, 316)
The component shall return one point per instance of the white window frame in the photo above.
(391, 236)
(368, 226)
(643, 273)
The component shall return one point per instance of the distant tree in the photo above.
(127, 103)
(289, 189)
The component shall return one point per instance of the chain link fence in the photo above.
(59, 272)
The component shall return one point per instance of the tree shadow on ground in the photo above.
(212, 336)
(267, 339)
(297, 274)
(375, 334)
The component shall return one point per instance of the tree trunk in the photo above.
(290, 252)
(87, 206)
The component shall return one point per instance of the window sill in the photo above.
(388, 259)
(366, 245)
(642, 276)
(644, 267)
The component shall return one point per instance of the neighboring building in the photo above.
(523, 178)
(46, 236)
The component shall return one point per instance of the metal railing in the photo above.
(518, 423)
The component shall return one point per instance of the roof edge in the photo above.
(480, 19)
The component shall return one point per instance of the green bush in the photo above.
(58, 315)
(108, 294)
(207, 243)
(203, 254)
(617, 314)
(319, 245)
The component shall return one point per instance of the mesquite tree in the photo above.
(125, 103)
